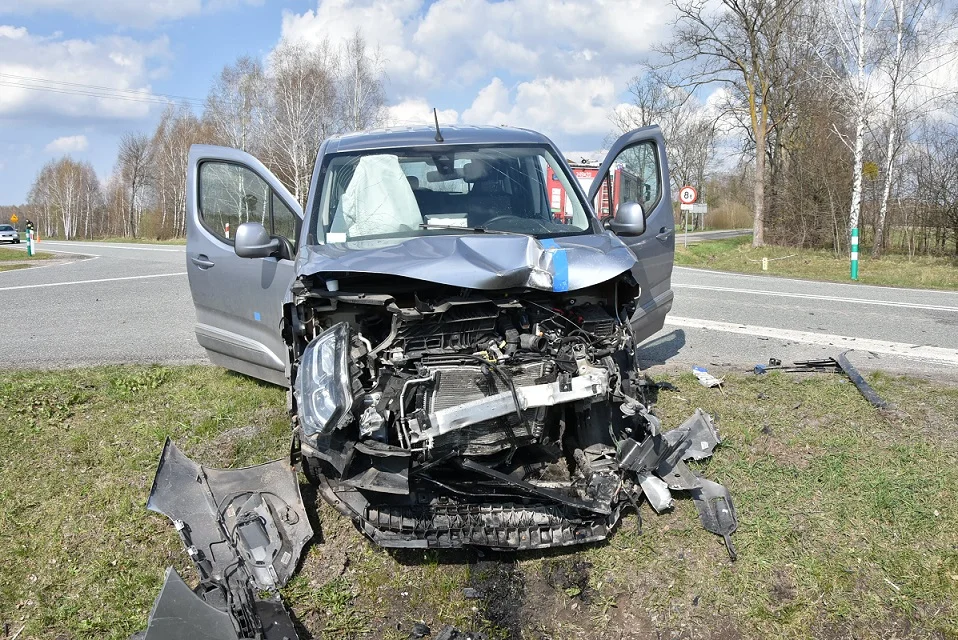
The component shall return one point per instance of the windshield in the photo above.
(434, 191)
(6, 227)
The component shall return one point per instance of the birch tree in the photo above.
(302, 111)
(236, 106)
(924, 43)
(854, 55)
(135, 171)
(177, 130)
(361, 93)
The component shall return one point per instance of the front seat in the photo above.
(487, 198)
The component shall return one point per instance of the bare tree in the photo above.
(302, 111)
(177, 130)
(924, 42)
(236, 106)
(689, 132)
(135, 170)
(854, 54)
(64, 193)
(361, 93)
(736, 45)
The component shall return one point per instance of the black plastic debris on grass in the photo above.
(841, 364)
(244, 529)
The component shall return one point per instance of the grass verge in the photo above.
(10, 255)
(847, 519)
(737, 254)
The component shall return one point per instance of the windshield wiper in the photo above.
(452, 227)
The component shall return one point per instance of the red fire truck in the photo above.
(626, 187)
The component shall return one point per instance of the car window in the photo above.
(6, 227)
(635, 177)
(285, 222)
(415, 192)
(231, 194)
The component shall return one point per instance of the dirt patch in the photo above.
(569, 576)
(501, 591)
(782, 590)
(784, 454)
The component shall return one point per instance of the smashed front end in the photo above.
(436, 416)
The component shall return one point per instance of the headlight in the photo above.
(322, 383)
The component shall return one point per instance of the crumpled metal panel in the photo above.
(254, 514)
(700, 432)
(480, 261)
(180, 613)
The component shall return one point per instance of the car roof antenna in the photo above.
(435, 115)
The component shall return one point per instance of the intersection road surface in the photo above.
(131, 303)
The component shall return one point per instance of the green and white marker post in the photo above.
(30, 250)
(855, 253)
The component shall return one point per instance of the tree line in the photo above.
(280, 112)
(829, 115)
(842, 109)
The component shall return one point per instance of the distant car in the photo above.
(9, 233)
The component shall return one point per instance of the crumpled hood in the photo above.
(480, 261)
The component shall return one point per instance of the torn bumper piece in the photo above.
(659, 464)
(244, 529)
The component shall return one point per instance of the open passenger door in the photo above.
(636, 170)
(239, 301)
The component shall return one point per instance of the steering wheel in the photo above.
(542, 227)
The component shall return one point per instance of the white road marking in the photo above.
(814, 282)
(811, 296)
(47, 266)
(937, 355)
(81, 245)
(62, 284)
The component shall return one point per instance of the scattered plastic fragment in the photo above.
(706, 379)
(716, 511)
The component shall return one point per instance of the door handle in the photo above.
(202, 261)
(664, 233)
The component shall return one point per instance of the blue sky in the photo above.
(559, 66)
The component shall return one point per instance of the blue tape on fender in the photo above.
(560, 264)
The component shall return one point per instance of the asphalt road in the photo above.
(118, 303)
(131, 303)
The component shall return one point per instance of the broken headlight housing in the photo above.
(322, 384)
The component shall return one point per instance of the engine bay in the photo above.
(443, 417)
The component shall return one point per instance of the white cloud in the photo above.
(577, 106)
(418, 111)
(460, 42)
(67, 144)
(120, 63)
(142, 13)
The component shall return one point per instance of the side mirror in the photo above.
(629, 220)
(253, 241)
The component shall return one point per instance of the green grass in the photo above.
(737, 254)
(847, 519)
(8, 254)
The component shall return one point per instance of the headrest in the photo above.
(413, 181)
(475, 171)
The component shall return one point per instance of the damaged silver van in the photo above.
(456, 318)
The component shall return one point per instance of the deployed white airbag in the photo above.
(379, 199)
